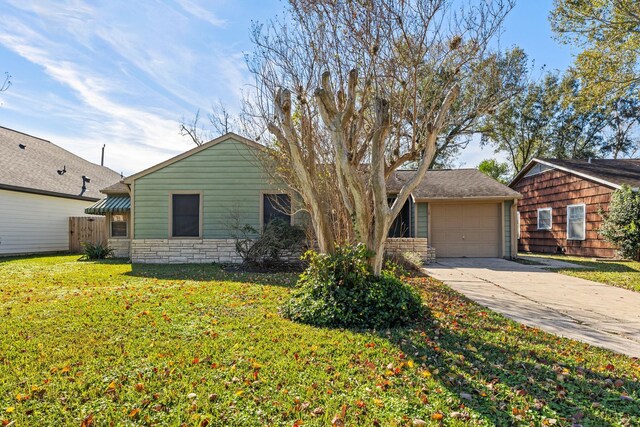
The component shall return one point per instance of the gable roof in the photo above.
(442, 184)
(30, 164)
(216, 141)
(610, 172)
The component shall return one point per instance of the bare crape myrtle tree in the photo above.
(350, 91)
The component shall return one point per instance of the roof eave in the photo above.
(526, 169)
(468, 198)
(47, 193)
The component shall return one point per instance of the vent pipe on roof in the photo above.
(22, 146)
(102, 158)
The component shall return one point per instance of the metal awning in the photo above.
(116, 204)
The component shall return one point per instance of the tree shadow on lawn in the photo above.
(210, 272)
(513, 374)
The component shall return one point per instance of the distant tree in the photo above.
(621, 224)
(546, 120)
(623, 119)
(608, 32)
(220, 120)
(574, 132)
(194, 130)
(520, 126)
(6, 83)
(496, 170)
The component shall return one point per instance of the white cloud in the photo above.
(126, 73)
(202, 13)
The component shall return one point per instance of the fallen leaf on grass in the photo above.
(87, 421)
(337, 422)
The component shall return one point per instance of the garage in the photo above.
(466, 229)
(461, 213)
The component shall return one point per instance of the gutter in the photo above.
(46, 193)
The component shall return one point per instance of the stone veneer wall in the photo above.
(120, 247)
(223, 250)
(184, 251)
(419, 245)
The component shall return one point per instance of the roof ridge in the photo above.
(25, 134)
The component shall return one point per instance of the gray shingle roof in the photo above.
(118, 188)
(453, 184)
(615, 171)
(35, 167)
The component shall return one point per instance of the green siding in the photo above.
(231, 178)
(507, 228)
(423, 219)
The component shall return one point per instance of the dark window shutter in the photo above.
(186, 215)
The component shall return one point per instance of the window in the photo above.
(118, 226)
(402, 224)
(575, 222)
(276, 206)
(185, 209)
(544, 219)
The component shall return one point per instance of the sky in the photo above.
(124, 73)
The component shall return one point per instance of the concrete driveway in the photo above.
(587, 311)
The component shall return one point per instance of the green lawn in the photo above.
(86, 343)
(624, 274)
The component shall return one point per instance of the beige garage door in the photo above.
(466, 229)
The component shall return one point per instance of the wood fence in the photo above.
(86, 229)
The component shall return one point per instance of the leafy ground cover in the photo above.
(94, 343)
(624, 274)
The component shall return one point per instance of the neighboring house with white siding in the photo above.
(41, 186)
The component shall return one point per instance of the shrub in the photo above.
(277, 237)
(403, 262)
(340, 290)
(96, 251)
(621, 225)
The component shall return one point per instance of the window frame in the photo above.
(550, 210)
(200, 194)
(584, 221)
(275, 192)
(126, 225)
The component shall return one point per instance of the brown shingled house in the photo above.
(562, 201)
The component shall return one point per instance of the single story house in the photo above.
(560, 211)
(41, 186)
(181, 210)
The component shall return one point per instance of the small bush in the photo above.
(96, 251)
(621, 225)
(340, 290)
